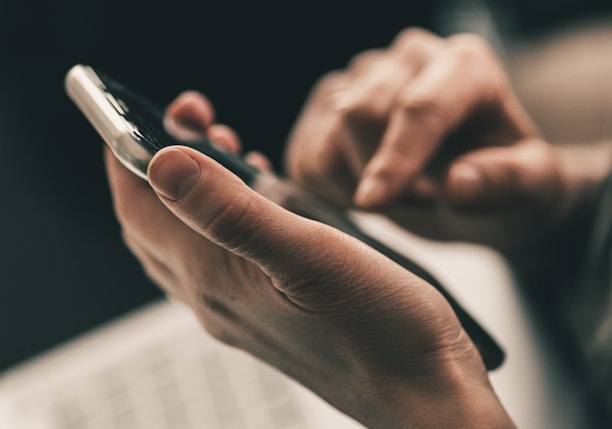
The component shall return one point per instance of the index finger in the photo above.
(426, 109)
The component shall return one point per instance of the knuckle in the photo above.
(339, 102)
(413, 35)
(474, 54)
(345, 100)
(369, 107)
(329, 83)
(365, 59)
(422, 106)
(331, 93)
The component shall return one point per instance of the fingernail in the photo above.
(371, 192)
(467, 183)
(173, 174)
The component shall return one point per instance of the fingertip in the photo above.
(465, 184)
(173, 173)
(192, 110)
(382, 180)
(215, 203)
(225, 138)
(258, 160)
(372, 193)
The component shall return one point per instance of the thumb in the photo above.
(218, 205)
(526, 174)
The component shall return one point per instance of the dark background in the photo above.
(63, 266)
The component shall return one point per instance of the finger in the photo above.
(374, 77)
(368, 100)
(259, 161)
(218, 205)
(426, 109)
(224, 137)
(189, 116)
(167, 248)
(314, 157)
(522, 176)
(369, 96)
(374, 85)
(416, 41)
(192, 110)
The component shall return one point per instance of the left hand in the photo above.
(372, 339)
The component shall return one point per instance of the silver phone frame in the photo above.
(105, 113)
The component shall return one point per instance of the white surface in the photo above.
(157, 369)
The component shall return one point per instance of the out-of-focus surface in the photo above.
(564, 79)
(157, 369)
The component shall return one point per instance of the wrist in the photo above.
(453, 391)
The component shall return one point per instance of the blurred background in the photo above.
(63, 267)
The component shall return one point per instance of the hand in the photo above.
(430, 131)
(369, 337)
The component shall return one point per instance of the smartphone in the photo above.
(133, 128)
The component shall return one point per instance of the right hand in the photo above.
(371, 134)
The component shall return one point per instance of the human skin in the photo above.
(430, 131)
(372, 339)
